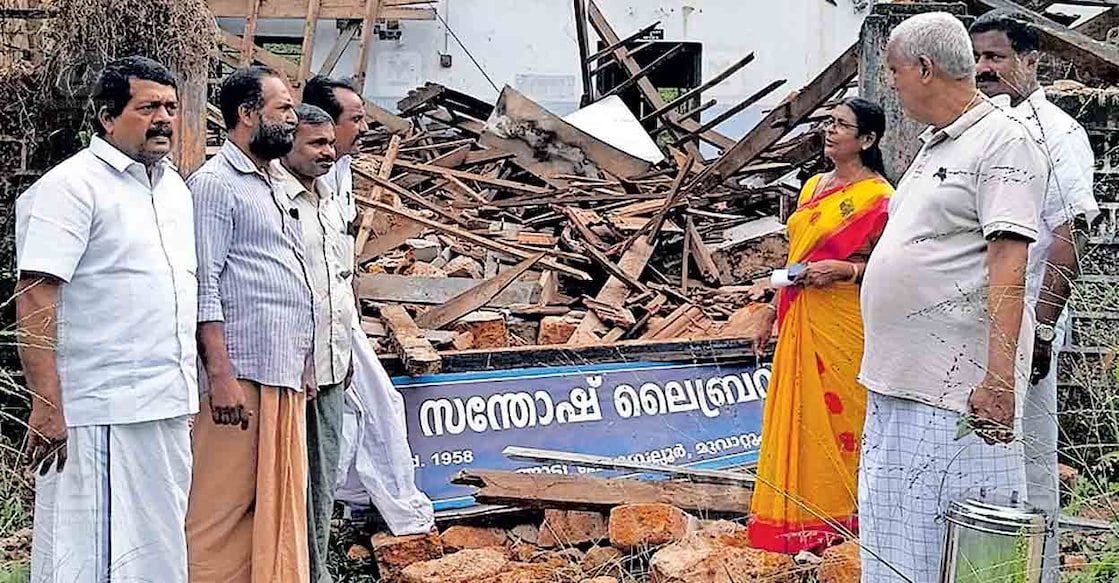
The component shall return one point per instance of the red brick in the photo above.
(457, 538)
(602, 561)
(841, 564)
(556, 329)
(526, 573)
(469, 566)
(703, 560)
(637, 526)
(566, 528)
(394, 553)
(600, 580)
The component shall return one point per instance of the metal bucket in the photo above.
(993, 544)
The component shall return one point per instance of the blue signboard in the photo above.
(693, 415)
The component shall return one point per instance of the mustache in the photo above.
(325, 160)
(158, 131)
(987, 77)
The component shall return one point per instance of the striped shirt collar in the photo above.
(240, 161)
(292, 185)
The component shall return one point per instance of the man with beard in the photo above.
(330, 260)
(1007, 53)
(247, 517)
(945, 361)
(105, 309)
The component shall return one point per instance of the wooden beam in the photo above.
(392, 122)
(735, 109)
(331, 10)
(707, 267)
(619, 43)
(670, 200)
(462, 175)
(430, 291)
(1099, 58)
(309, 26)
(589, 493)
(395, 237)
(793, 110)
(645, 71)
(247, 45)
(365, 43)
(647, 89)
(475, 297)
(704, 87)
(285, 67)
(415, 351)
(345, 37)
(584, 48)
(477, 240)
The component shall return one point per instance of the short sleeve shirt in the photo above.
(924, 294)
(1069, 190)
(330, 261)
(123, 245)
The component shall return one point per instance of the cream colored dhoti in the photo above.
(247, 516)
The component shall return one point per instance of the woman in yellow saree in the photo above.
(805, 496)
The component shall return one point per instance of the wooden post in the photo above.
(308, 43)
(901, 143)
(190, 149)
(249, 33)
(365, 43)
(584, 66)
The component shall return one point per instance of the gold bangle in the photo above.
(854, 272)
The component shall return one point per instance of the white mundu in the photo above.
(123, 246)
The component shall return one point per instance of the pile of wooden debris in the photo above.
(492, 225)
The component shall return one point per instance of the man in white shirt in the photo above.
(943, 309)
(330, 258)
(343, 103)
(1007, 52)
(377, 460)
(106, 307)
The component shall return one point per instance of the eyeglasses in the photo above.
(832, 122)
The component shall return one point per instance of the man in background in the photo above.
(330, 259)
(373, 405)
(106, 301)
(1007, 52)
(946, 358)
(341, 100)
(248, 506)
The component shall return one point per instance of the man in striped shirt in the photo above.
(246, 519)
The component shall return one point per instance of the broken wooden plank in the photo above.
(285, 67)
(644, 71)
(345, 37)
(475, 297)
(406, 289)
(1099, 25)
(687, 95)
(670, 200)
(589, 493)
(794, 109)
(477, 240)
(734, 110)
(547, 146)
(614, 270)
(615, 291)
(415, 351)
(391, 239)
(392, 122)
(648, 90)
(432, 170)
(706, 264)
(688, 321)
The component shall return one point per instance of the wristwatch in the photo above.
(1045, 333)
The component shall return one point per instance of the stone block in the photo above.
(637, 526)
(566, 528)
